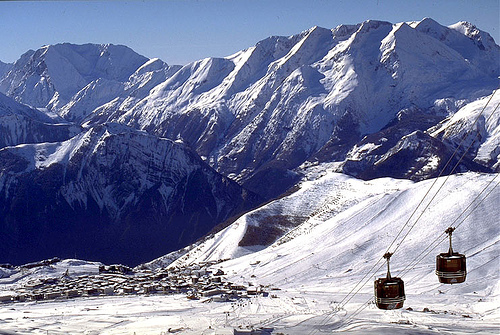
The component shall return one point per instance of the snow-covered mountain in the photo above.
(52, 75)
(314, 95)
(110, 193)
(482, 116)
(417, 146)
(21, 124)
(320, 96)
(375, 99)
(102, 92)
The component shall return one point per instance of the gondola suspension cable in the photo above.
(428, 191)
(328, 317)
(407, 269)
(448, 176)
(367, 303)
(440, 174)
(357, 311)
(430, 188)
(433, 245)
(344, 301)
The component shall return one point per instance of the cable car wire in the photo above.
(433, 245)
(434, 182)
(344, 301)
(440, 174)
(443, 236)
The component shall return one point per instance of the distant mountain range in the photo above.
(120, 158)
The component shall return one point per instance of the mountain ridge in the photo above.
(374, 100)
(56, 72)
(336, 84)
(110, 193)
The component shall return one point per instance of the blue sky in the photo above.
(179, 32)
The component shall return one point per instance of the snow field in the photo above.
(310, 275)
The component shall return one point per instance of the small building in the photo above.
(128, 289)
(19, 298)
(91, 291)
(72, 293)
(238, 287)
(210, 293)
(5, 298)
(37, 296)
(108, 290)
(51, 295)
(253, 290)
(220, 298)
(253, 331)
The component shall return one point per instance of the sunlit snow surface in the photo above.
(350, 225)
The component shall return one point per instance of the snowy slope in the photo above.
(335, 201)
(285, 218)
(372, 100)
(466, 39)
(329, 244)
(102, 93)
(335, 253)
(317, 266)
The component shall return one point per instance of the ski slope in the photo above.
(312, 272)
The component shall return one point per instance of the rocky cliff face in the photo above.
(4, 68)
(110, 193)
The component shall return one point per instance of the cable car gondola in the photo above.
(389, 292)
(450, 266)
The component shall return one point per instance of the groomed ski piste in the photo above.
(319, 275)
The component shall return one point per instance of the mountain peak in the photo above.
(372, 24)
(61, 70)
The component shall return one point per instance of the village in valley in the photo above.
(204, 282)
(198, 281)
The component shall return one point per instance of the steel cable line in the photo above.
(452, 171)
(367, 303)
(328, 317)
(441, 173)
(432, 185)
(343, 302)
(421, 202)
(357, 311)
(443, 236)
